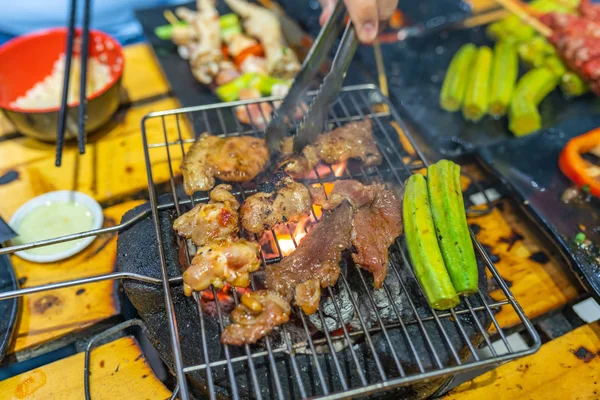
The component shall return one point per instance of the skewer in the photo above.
(516, 8)
(64, 107)
(85, 36)
(171, 17)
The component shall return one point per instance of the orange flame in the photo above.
(286, 244)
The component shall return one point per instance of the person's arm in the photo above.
(366, 15)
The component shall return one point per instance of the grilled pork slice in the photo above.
(217, 220)
(353, 140)
(255, 317)
(354, 192)
(377, 221)
(317, 258)
(222, 262)
(375, 227)
(282, 200)
(232, 159)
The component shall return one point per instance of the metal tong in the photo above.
(314, 120)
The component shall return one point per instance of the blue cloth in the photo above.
(114, 17)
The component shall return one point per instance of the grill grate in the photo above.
(373, 361)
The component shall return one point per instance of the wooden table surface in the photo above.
(113, 172)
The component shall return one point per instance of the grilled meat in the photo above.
(256, 315)
(353, 140)
(217, 220)
(264, 25)
(222, 262)
(286, 201)
(233, 159)
(375, 226)
(577, 40)
(353, 191)
(257, 114)
(205, 52)
(316, 258)
(376, 223)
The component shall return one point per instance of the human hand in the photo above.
(365, 14)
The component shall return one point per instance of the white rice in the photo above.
(47, 93)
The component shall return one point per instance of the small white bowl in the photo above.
(60, 195)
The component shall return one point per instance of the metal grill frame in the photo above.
(359, 97)
(415, 163)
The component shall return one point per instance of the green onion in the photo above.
(229, 20)
(586, 189)
(579, 238)
(231, 90)
(265, 84)
(165, 32)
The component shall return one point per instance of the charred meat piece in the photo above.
(217, 220)
(232, 159)
(353, 191)
(377, 221)
(353, 140)
(287, 201)
(317, 257)
(255, 317)
(374, 228)
(222, 262)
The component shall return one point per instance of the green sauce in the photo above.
(53, 219)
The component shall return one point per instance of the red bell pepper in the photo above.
(580, 171)
(254, 50)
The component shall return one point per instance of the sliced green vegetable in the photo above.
(227, 33)
(572, 85)
(231, 90)
(455, 82)
(165, 32)
(265, 84)
(523, 116)
(579, 238)
(478, 86)
(229, 20)
(423, 248)
(505, 71)
(556, 65)
(452, 230)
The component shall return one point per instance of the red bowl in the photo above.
(28, 59)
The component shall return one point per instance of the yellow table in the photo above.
(113, 172)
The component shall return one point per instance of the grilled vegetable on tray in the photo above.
(505, 71)
(583, 173)
(455, 83)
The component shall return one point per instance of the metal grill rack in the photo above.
(354, 103)
(361, 359)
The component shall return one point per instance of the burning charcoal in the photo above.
(137, 252)
(330, 315)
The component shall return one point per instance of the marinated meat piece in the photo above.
(353, 140)
(374, 229)
(299, 164)
(317, 256)
(287, 201)
(308, 296)
(217, 220)
(232, 159)
(353, 191)
(589, 10)
(255, 317)
(222, 262)
(258, 114)
(264, 25)
(205, 52)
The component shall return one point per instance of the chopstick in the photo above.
(85, 36)
(62, 113)
(64, 105)
(517, 8)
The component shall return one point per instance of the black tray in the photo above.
(416, 68)
(8, 308)
(529, 168)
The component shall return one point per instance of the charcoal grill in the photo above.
(371, 351)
